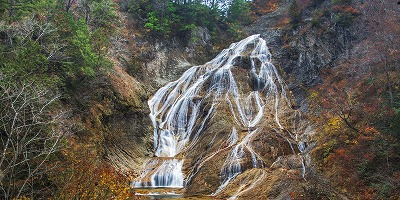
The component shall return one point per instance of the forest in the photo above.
(76, 75)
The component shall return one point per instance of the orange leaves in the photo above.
(91, 181)
(342, 169)
(359, 90)
(369, 193)
(83, 174)
(365, 165)
(371, 131)
(345, 9)
(114, 182)
(285, 21)
(293, 195)
(338, 154)
(262, 7)
(341, 153)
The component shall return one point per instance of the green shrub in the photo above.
(104, 15)
(341, 2)
(177, 18)
(238, 12)
(294, 14)
(344, 19)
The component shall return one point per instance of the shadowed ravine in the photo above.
(221, 119)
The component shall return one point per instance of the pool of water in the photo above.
(167, 193)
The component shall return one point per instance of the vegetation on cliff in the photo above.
(355, 105)
(53, 64)
(65, 95)
(178, 18)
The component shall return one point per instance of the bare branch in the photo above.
(29, 135)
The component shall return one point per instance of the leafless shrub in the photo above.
(30, 133)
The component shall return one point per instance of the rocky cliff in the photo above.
(300, 52)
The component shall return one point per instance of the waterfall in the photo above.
(181, 109)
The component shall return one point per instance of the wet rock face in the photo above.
(277, 184)
(213, 149)
(166, 60)
(310, 52)
(127, 129)
(200, 37)
(222, 119)
(302, 56)
(167, 65)
(303, 52)
(129, 140)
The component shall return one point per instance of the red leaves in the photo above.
(359, 90)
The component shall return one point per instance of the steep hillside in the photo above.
(76, 78)
(341, 63)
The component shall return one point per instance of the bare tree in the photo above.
(381, 16)
(18, 34)
(68, 4)
(29, 135)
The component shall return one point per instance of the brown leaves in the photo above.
(345, 9)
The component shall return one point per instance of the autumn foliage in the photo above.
(83, 175)
(262, 7)
(357, 109)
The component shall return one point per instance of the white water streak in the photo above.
(240, 191)
(177, 109)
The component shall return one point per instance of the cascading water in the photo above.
(181, 110)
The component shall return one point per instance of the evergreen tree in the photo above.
(238, 12)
